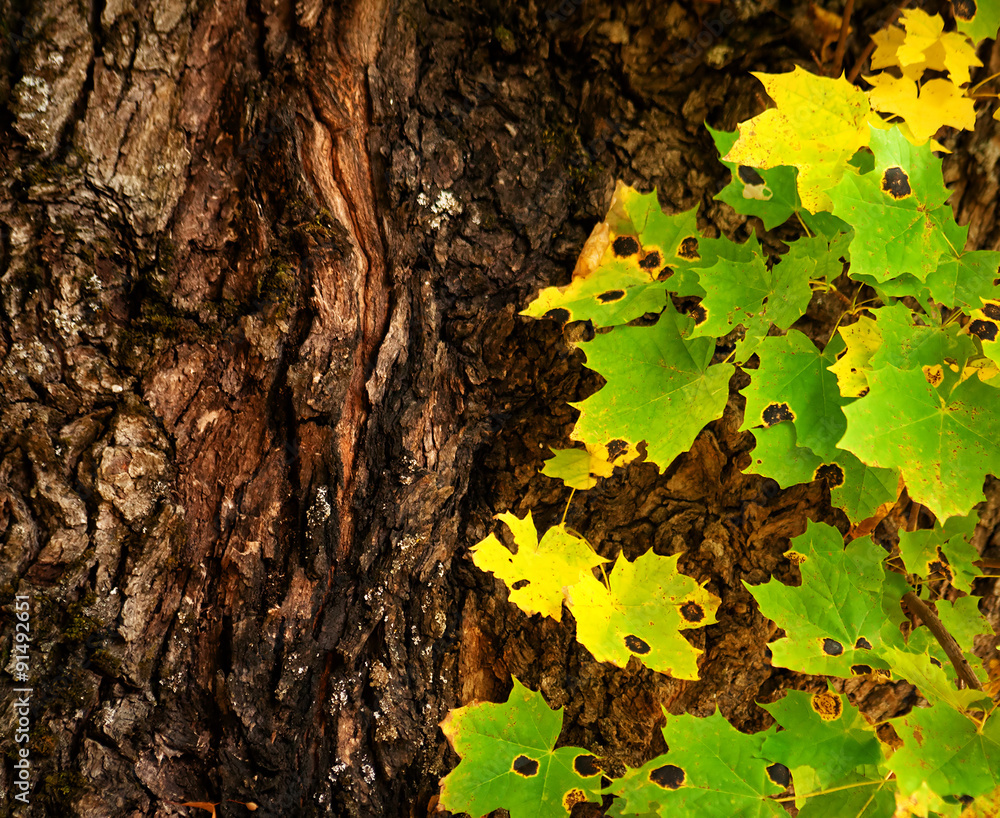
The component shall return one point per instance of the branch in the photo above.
(946, 640)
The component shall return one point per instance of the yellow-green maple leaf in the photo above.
(818, 125)
(539, 570)
(580, 468)
(863, 340)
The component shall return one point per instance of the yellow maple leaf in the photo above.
(922, 31)
(818, 125)
(938, 102)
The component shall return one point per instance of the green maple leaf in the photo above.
(980, 19)
(943, 552)
(928, 675)
(855, 487)
(508, 761)
(538, 572)
(648, 601)
(660, 388)
(964, 278)
(818, 125)
(793, 383)
(823, 733)
(862, 794)
(711, 770)
(845, 612)
(740, 289)
(944, 447)
(909, 343)
(897, 210)
(954, 754)
(768, 194)
(627, 264)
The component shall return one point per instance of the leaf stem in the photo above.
(572, 491)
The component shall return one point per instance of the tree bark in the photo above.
(264, 383)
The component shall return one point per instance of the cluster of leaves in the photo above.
(903, 393)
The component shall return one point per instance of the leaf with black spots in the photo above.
(845, 596)
(640, 614)
(539, 571)
(711, 770)
(509, 761)
(821, 733)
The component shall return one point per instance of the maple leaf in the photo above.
(936, 103)
(818, 125)
(661, 388)
(944, 446)
(627, 265)
(580, 468)
(977, 18)
(845, 612)
(640, 613)
(711, 770)
(509, 760)
(538, 572)
(953, 754)
(793, 368)
(898, 210)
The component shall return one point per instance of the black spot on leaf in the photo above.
(749, 176)
(558, 314)
(625, 246)
(611, 296)
(616, 447)
(664, 274)
(698, 313)
(689, 248)
(521, 583)
(828, 705)
(863, 392)
(831, 473)
(935, 662)
(779, 774)
(586, 765)
(525, 766)
(896, 183)
(670, 777)
(831, 647)
(692, 612)
(650, 261)
(987, 330)
(861, 670)
(572, 798)
(939, 569)
(862, 644)
(992, 311)
(776, 413)
(965, 10)
(636, 645)
(647, 319)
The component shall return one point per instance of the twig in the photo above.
(845, 25)
(945, 639)
(871, 45)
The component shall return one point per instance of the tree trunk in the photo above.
(264, 383)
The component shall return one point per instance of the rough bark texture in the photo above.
(263, 381)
